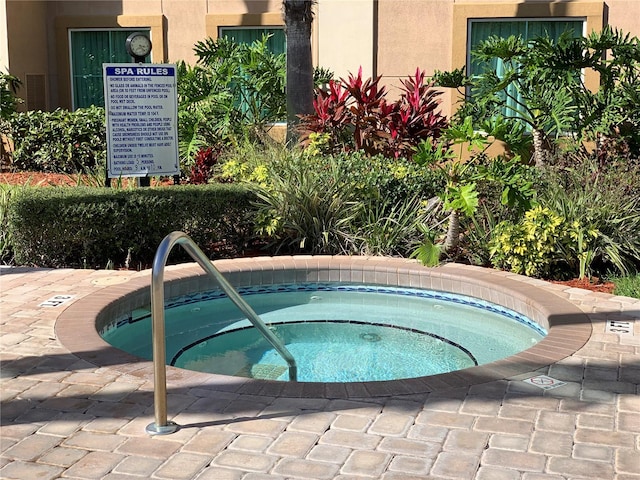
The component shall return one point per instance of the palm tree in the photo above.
(298, 16)
(9, 102)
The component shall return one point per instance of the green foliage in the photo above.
(90, 227)
(515, 179)
(548, 78)
(460, 196)
(382, 179)
(315, 207)
(542, 100)
(428, 251)
(6, 244)
(601, 216)
(345, 203)
(611, 116)
(249, 162)
(321, 76)
(392, 229)
(475, 245)
(232, 92)
(59, 141)
(628, 286)
(527, 247)
(389, 182)
(9, 99)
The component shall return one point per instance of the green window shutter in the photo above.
(528, 30)
(276, 43)
(89, 50)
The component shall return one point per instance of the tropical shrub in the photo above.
(310, 210)
(60, 141)
(586, 224)
(9, 99)
(460, 195)
(202, 168)
(601, 211)
(528, 247)
(611, 115)
(394, 229)
(386, 180)
(355, 114)
(6, 245)
(343, 203)
(233, 92)
(9, 102)
(547, 76)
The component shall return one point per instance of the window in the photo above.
(276, 43)
(89, 50)
(480, 30)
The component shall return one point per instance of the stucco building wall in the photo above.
(385, 37)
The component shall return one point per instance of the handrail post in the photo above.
(161, 425)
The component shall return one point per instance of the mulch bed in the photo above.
(41, 179)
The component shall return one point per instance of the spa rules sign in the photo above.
(142, 119)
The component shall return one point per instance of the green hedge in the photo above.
(59, 141)
(95, 228)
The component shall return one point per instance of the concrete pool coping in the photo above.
(568, 326)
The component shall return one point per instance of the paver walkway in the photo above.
(63, 417)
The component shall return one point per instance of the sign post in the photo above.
(142, 120)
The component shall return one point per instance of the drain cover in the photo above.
(370, 337)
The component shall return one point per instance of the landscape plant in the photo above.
(356, 115)
(552, 98)
(9, 99)
(627, 286)
(9, 102)
(609, 116)
(234, 90)
(529, 246)
(583, 227)
(84, 227)
(310, 210)
(6, 244)
(60, 141)
(601, 217)
(343, 203)
(460, 196)
(393, 228)
(204, 162)
(528, 90)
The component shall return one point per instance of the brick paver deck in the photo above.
(70, 411)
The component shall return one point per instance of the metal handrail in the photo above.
(161, 425)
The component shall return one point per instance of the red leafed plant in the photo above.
(356, 116)
(331, 114)
(205, 159)
(415, 117)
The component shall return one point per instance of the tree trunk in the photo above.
(453, 232)
(298, 15)
(539, 152)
